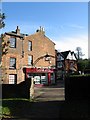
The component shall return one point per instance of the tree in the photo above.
(2, 17)
(88, 66)
(82, 65)
(2, 24)
(79, 53)
(3, 44)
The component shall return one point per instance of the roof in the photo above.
(37, 34)
(21, 35)
(69, 55)
(42, 32)
(13, 33)
(50, 40)
(65, 54)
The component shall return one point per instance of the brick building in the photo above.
(28, 56)
(66, 62)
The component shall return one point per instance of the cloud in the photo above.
(76, 26)
(70, 43)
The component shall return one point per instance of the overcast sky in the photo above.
(65, 23)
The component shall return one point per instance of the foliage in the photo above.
(5, 111)
(75, 76)
(4, 45)
(15, 107)
(2, 17)
(2, 24)
(88, 64)
(83, 64)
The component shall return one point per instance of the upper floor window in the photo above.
(30, 60)
(72, 65)
(13, 42)
(59, 58)
(13, 63)
(29, 45)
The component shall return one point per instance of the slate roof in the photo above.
(65, 54)
(13, 33)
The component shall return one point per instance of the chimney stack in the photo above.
(18, 30)
(41, 30)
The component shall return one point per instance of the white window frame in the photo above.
(12, 62)
(29, 46)
(12, 79)
(30, 58)
(12, 42)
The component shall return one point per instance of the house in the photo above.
(28, 56)
(66, 63)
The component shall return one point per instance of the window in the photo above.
(71, 65)
(13, 42)
(29, 45)
(13, 63)
(30, 61)
(59, 64)
(12, 79)
(59, 58)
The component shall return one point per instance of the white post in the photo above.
(32, 89)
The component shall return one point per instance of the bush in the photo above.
(77, 87)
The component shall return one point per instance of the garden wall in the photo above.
(21, 90)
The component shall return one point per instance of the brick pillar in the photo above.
(32, 89)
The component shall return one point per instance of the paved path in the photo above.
(49, 94)
(48, 101)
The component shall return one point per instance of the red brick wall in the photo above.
(40, 46)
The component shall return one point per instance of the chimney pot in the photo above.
(17, 27)
(18, 30)
(40, 28)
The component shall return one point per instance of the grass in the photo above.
(21, 108)
(5, 112)
(14, 107)
(85, 75)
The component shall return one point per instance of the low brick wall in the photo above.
(77, 88)
(21, 90)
